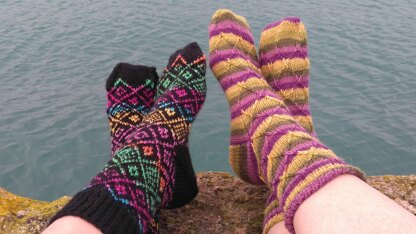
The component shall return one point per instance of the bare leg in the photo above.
(348, 205)
(70, 225)
(279, 228)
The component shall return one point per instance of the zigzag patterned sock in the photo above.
(126, 196)
(130, 94)
(282, 154)
(283, 56)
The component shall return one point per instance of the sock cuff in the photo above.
(134, 75)
(98, 207)
(321, 177)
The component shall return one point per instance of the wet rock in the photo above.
(225, 204)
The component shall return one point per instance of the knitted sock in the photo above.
(289, 160)
(130, 93)
(233, 58)
(283, 56)
(283, 59)
(125, 197)
(186, 70)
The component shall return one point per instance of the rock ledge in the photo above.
(225, 204)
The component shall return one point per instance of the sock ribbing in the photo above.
(98, 207)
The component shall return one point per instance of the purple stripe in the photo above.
(275, 212)
(247, 101)
(269, 141)
(290, 82)
(229, 26)
(252, 167)
(290, 19)
(306, 171)
(232, 79)
(312, 188)
(299, 110)
(239, 139)
(221, 55)
(293, 152)
(288, 52)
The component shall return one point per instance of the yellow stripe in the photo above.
(279, 146)
(271, 206)
(230, 40)
(310, 179)
(301, 158)
(223, 67)
(273, 221)
(221, 12)
(305, 122)
(263, 128)
(279, 66)
(238, 154)
(242, 122)
(286, 29)
(295, 95)
(243, 87)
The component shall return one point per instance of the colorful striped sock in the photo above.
(126, 196)
(283, 56)
(289, 160)
(233, 58)
(130, 94)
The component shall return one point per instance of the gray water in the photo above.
(56, 55)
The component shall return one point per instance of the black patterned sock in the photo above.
(126, 196)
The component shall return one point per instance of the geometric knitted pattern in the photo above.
(273, 147)
(140, 178)
(186, 70)
(130, 92)
(283, 58)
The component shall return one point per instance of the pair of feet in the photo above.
(272, 138)
(272, 135)
(150, 169)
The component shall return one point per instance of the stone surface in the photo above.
(224, 204)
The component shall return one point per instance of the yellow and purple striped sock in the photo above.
(267, 143)
(283, 58)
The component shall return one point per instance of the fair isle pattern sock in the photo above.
(126, 196)
(283, 58)
(186, 70)
(289, 160)
(130, 94)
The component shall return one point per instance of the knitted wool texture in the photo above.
(131, 91)
(283, 56)
(130, 95)
(125, 197)
(267, 144)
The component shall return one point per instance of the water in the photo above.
(56, 55)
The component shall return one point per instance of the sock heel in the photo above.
(185, 188)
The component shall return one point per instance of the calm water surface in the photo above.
(56, 55)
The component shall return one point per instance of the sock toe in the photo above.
(134, 75)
